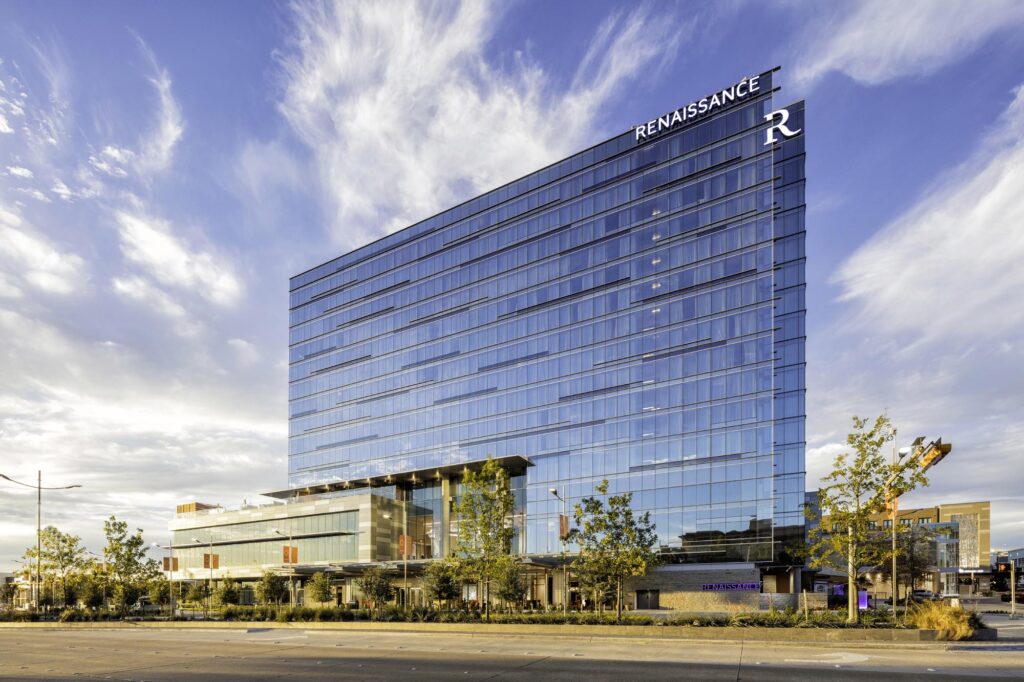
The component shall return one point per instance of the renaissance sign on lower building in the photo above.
(745, 88)
(728, 587)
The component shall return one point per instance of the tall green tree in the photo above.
(860, 485)
(441, 581)
(62, 558)
(376, 586)
(159, 591)
(272, 588)
(510, 586)
(320, 588)
(484, 512)
(128, 568)
(614, 543)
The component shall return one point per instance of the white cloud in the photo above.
(149, 243)
(62, 190)
(139, 290)
(878, 41)
(19, 171)
(103, 416)
(4, 125)
(31, 258)
(405, 116)
(244, 352)
(105, 165)
(34, 193)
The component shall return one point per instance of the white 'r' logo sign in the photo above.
(783, 116)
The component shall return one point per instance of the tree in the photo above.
(90, 593)
(484, 513)
(511, 588)
(8, 591)
(271, 589)
(198, 592)
(228, 594)
(320, 588)
(62, 557)
(159, 591)
(613, 543)
(915, 557)
(376, 586)
(859, 487)
(441, 581)
(596, 580)
(127, 566)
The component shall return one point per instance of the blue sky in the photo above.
(164, 168)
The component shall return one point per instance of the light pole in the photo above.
(893, 501)
(209, 584)
(170, 571)
(926, 456)
(39, 520)
(561, 537)
(291, 569)
(103, 580)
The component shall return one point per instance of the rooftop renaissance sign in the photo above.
(740, 91)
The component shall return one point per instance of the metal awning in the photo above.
(515, 464)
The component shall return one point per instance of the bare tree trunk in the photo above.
(618, 599)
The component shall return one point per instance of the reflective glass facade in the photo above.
(634, 312)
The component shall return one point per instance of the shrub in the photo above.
(950, 623)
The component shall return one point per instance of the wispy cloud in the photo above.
(149, 243)
(963, 236)
(19, 171)
(29, 259)
(157, 148)
(405, 114)
(931, 328)
(878, 41)
(153, 298)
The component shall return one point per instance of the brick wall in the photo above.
(680, 590)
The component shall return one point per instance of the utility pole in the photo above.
(39, 523)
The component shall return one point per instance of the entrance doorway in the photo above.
(648, 599)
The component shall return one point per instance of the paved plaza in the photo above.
(293, 654)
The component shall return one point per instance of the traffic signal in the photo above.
(934, 453)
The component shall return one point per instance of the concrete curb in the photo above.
(781, 635)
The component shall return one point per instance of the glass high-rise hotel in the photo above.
(634, 313)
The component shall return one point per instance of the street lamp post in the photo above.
(928, 456)
(561, 537)
(39, 521)
(291, 568)
(103, 582)
(209, 585)
(170, 571)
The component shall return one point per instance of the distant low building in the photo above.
(959, 544)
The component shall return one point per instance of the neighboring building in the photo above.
(633, 313)
(958, 540)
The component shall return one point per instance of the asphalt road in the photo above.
(260, 654)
